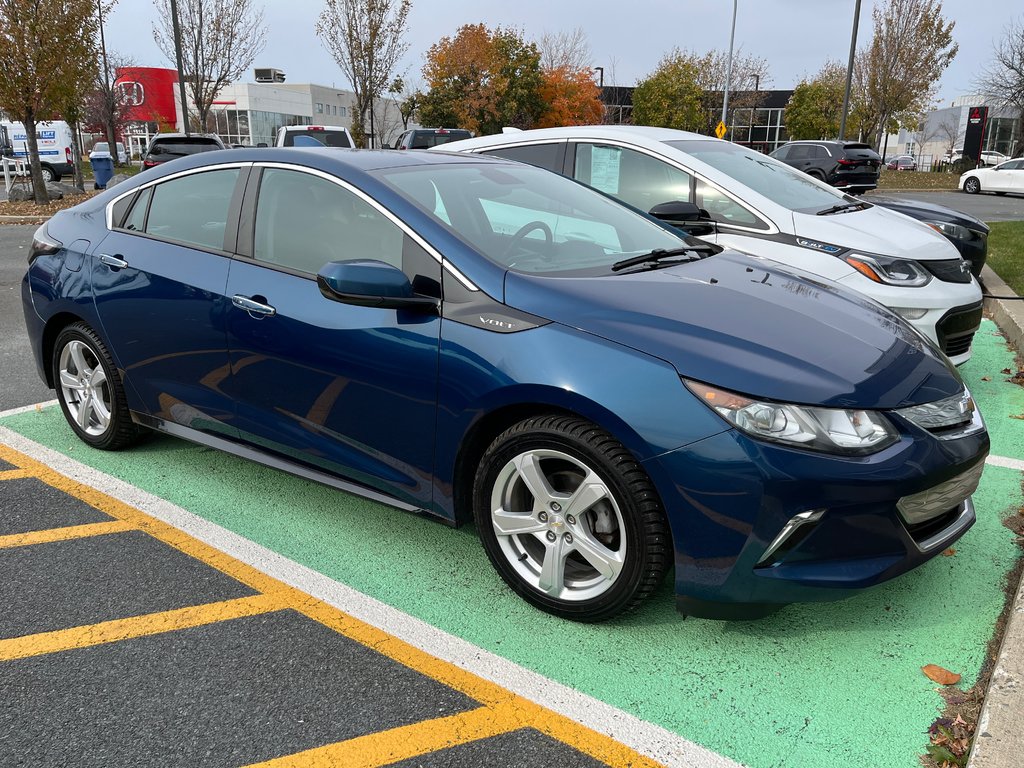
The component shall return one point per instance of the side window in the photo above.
(781, 153)
(136, 220)
(820, 153)
(724, 209)
(547, 156)
(304, 222)
(799, 152)
(193, 209)
(633, 177)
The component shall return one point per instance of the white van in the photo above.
(762, 206)
(54, 141)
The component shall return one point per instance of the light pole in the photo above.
(849, 72)
(600, 73)
(728, 70)
(177, 55)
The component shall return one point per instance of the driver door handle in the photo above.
(114, 262)
(252, 306)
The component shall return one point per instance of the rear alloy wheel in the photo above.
(90, 391)
(47, 173)
(972, 186)
(569, 518)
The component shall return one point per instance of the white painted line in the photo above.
(646, 738)
(1002, 461)
(27, 408)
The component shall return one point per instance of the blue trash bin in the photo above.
(102, 169)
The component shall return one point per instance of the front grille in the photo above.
(940, 500)
(956, 329)
(921, 532)
(949, 270)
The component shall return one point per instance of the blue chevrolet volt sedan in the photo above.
(604, 397)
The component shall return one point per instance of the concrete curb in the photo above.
(999, 738)
(23, 219)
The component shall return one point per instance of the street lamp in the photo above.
(849, 72)
(728, 71)
(600, 71)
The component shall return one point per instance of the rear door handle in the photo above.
(114, 262)
(252, 306)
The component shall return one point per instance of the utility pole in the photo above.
(728, 71)
(849, 72)
(177, 55)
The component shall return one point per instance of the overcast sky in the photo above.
(626, 38)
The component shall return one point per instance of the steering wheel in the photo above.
(526, 229)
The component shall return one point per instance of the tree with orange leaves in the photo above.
(572, 98)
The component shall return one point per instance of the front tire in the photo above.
(569, 518)
(972, 186)
(90, 391)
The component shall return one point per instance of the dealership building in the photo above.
(247, 114)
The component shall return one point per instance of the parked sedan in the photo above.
(968, 234)
(482, 340)
(1005, 178)
(757, 204)
(902, 163)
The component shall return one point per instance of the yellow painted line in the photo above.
(63, 534)
(136, 626)
(387, 747)
(14, 474)
(492, 696)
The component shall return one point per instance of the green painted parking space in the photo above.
(813, 685)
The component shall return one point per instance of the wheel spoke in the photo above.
(552, 572)
(605, 561)
(528, 466)
(515, 523)
(100, 411)
(591, 491)
(70, 381)
(97, 379)
(81, 367)
(83, 413)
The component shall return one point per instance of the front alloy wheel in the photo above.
(972, 186)
(569, 519)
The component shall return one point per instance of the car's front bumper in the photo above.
(757, 525)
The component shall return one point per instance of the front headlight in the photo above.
(830, 430)
(885, 269)
(948, 229)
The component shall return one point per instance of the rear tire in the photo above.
(90, 391)
(48, 174)
(569, 518)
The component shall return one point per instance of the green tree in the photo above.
(367, 40)
(814, 111)
(45, 46)
(671, 97)
(482, 80)
(911, 46)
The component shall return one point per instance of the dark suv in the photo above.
(168, 146)
(844, 164)
(425, 138)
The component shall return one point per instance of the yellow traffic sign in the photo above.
(720, 129)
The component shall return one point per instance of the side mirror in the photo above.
(685, 216)
(371, 283)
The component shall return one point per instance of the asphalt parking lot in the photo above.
(278, 674)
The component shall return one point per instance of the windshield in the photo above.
(775, 180)
(529, 219)
(313, 137)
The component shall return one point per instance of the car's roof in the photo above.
(624, 132)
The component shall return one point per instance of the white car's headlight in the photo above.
(948, 229)
(830, 430)
(885, 269)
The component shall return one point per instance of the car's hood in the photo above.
(922, 209)
(876, 230)
(748, 325)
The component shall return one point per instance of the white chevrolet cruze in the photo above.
(753, 203)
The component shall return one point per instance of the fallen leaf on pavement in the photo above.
(937, 674)
(986, 378)
(949, 552)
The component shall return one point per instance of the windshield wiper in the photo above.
(658, 254)
(842, 207)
